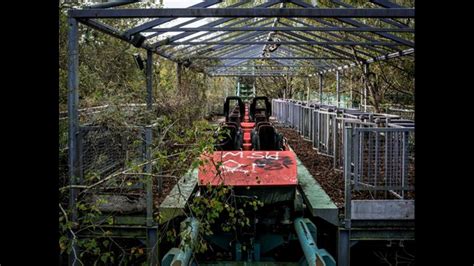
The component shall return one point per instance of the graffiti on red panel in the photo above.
(250, 163)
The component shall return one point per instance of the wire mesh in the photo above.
(380, 161)
(381, 154)
(327, 128)
(341, 124)
(106, 150)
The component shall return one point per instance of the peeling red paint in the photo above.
(250, 168)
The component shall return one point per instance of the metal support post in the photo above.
(338, 96)
(73, 101)
(366, 74)
(307, 89)
(152, 244)
(149, 79)
(320, 88)
(351, 93)
(152, 238)
(343, 247)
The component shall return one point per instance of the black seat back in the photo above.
(260, 118)
(240, 107)
(268, 138)
(237, 125)
(261, 123)
(254, 111)
(234, 118)
(229, 139)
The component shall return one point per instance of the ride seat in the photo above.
(260, 118)
(255, 131)
(233, 124)
(234, 118)
(262, 123)
(269, 139)
(230, 141)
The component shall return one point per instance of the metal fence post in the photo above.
(348, 136)
(344, 242)
(404, 162)
(366, 72)
(338, 85)
(149, 80)
(307, 88)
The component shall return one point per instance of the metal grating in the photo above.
(379, 161)
(105, 151)
(380, 148)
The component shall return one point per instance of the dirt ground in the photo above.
(320, 166)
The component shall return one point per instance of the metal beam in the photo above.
(211, 24)
(225, 49)
(324, 22)
(305, 49)
(272, 58)
(339, 37)
(117, 34)
(322, 29)
(115, 3)
(340, 43)
(343, 38)
(257, 75)
(214, 48)
(386, 4)
(193, 20)
(386, 35)
(333, 49)
(245, 12)
(222, 37)
(104, 28)
(358, 24)
(232, 53)
(333, 34)
(241, 55)
(374, 59)
(156, 22)
(255, 66)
